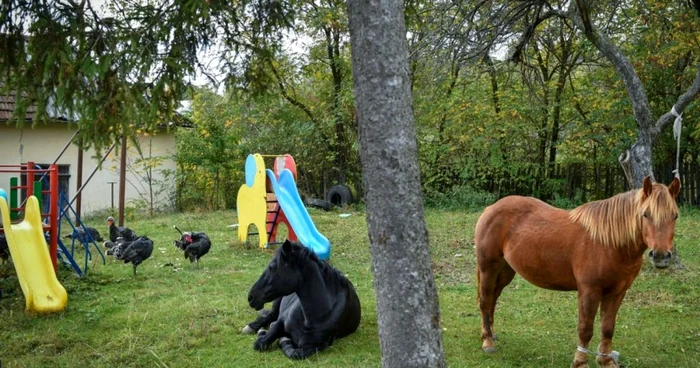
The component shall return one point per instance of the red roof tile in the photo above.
(7, 108)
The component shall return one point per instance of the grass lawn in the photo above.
(175, 315)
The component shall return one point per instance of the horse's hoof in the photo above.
(259, 346)
(489, 349)
(608, 364)
(283, 341)
(247, 330)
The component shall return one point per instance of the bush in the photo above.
(567, 203)
(464, 197)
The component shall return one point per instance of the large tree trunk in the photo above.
(407, 302)
(636, 162)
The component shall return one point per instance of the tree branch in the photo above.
(683, 101)
(530, 31)
(635, 89)
(289, 98)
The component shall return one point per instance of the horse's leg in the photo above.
(266, 338)
(487, 274)
(264, 320)
(588, 302)
(608, 312)
(505, 276)
(303, 352)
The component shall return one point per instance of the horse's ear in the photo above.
(287, 248)
(647, 186)
(675, 188)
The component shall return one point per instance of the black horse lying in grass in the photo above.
(313, 303)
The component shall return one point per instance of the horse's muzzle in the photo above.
(255, 303)
(660, 259)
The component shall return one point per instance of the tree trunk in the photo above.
(636, 161)
(341, 143)
(407, 303)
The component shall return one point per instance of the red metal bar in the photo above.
(30, 180)
(53, 218)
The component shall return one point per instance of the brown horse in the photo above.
(596, 249)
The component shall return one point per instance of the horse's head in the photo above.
(659, 213)
(280, 278)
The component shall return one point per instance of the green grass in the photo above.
(175, 315)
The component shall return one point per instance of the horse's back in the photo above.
(352, 313)
(508, 214)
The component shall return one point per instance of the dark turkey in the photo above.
(81, 233)
(116, 232)
(135, 251)
(112, 246)
(4, 248)
(195, 245)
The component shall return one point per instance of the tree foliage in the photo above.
(506, 93)
(122, 67)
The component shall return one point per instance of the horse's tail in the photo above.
(478, 282)
(477, 240)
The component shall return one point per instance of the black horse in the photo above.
(313, 303)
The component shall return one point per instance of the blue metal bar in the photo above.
(69, 258)
(88, 238)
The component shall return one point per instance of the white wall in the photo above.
(43, 143)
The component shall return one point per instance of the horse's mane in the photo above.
(616, 221)
(327, 271)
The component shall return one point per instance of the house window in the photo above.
(63, 183)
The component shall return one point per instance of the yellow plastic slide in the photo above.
(30, 255)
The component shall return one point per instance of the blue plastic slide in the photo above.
(288, 197)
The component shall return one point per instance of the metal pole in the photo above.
(111, 183)
(89, 177)
(66, 146)
(122, 180)
(79, 203)
(56, 160)
(30, 182)
(53, 216)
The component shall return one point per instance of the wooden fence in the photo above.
(583, 182)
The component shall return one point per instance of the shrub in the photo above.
(464, 197)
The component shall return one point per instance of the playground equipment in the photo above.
(31, 258)
(64, 209)
(269, 198)
(66, 256)
(35, 188)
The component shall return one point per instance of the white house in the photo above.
(43, 143)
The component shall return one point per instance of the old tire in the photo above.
(318, 203)
(339, 195)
